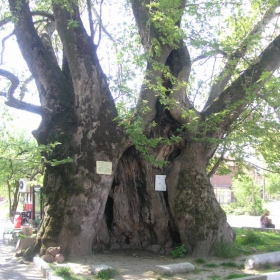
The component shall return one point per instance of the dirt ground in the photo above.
(139, 265)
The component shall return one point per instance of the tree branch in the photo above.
(218, 162)
(235, 57)
(34, 13)
(254, 165)
(3, 45)
(236, 96)
(208, 54)
(11, 100)
(49, 78)
(89, 82)
(102, 27)
(90, 19)
(169, 56)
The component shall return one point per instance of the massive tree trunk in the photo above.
(122, 210)
(201, 222)
(78, 112)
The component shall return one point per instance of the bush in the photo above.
(179, 252)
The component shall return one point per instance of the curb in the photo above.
(45, 269)
(267, 276)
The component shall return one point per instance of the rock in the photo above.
(53, 251)
(95, 269)
(59, 258)
(48, 258)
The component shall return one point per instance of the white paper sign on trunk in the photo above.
(160, 183)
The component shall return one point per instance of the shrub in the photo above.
(179, 252)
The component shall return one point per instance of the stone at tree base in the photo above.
(59, 258)
(174, 268)
(95, 269)
(53, 251)
(48, 258)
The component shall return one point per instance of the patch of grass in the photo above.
(179, 252)
(229, 264)
(251, 238)
(211, 265)
(262, 241)
(106, 274)
(65, 273)
(196, 270)
(226, 250)
(267, 266)
(235, 275)
(215, 277)
(200, 260)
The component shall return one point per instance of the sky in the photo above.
(25, 121)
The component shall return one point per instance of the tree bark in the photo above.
(200, 219)
(78, 113)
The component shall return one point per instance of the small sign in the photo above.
(104, 167)
(160, 183)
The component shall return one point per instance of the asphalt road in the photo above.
(254, 221)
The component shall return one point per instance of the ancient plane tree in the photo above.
(165, 133)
